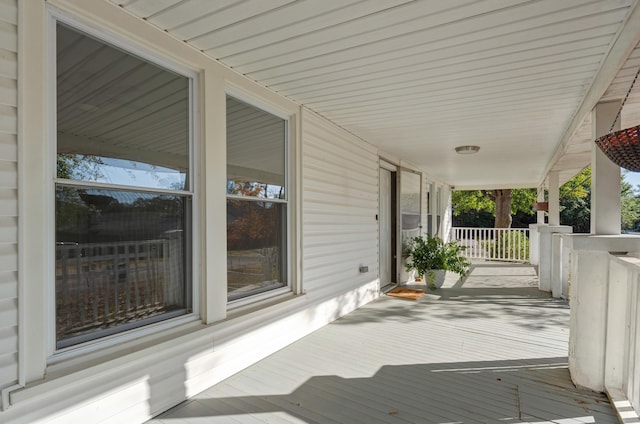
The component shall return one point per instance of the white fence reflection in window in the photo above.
(105, 286)
(499, 244)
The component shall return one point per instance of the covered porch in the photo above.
(492, 348)
(345, 126)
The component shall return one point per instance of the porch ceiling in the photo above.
(417, 78)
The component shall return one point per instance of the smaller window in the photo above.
(257, 201)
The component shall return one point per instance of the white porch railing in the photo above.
(500, 244)
(101, 285)
(603, 283)
(622, 348)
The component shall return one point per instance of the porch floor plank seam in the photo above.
(492, 349)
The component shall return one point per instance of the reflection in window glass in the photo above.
(256, 229)
(118, 171)
(256, 142)
(120, 120)
(122, 257)
(255, 247)
(429, 208)
(120, 260)
(410, 204)
(438, 209)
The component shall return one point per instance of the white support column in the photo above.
(605, 175)
(434, 209)
(590, 304)
(549, 256)
(540, 214)
(554, 198)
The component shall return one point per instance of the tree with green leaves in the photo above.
(629, 206)
(575, 204)
(502, 204)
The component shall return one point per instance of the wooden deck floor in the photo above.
(491, 350)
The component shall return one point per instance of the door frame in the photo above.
(393, 224)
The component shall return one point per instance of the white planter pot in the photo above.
(442, 278)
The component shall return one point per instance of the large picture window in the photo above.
(257, 200)
(123, 190)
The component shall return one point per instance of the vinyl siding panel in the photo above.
(339, 206)
(8, 193)
(134, 380)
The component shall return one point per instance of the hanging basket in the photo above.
(541, 206)
(622, 147)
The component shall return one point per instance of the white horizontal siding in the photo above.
(148, 381)
(8, 193)
(340, 203)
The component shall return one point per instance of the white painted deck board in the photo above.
(493, 349)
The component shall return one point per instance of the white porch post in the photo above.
(605, 175)
(590, 261)
(534, 234)
(434, 209)
(544, 252)
(540, 214)
(554, 198)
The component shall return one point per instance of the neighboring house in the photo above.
(165, 221)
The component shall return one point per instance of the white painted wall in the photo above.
(8, 194)
(339, 204)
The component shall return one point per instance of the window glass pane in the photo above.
(410, 204)
(256, 145)
(429, 208)
(118, 171)
(120, 261)
(256, 252)
(120, 119)
(438, 208)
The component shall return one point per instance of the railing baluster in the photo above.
(503, 244)
(96, 284)
(136, 277)
(80, 292)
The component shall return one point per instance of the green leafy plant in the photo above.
(426, 254)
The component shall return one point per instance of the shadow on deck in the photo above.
(491, 349)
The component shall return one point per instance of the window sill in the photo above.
(82, 358)
(74, 360)
(253, 305)
(259, 299)
(87, 367)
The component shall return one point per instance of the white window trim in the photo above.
(292, 284)
(54, 355)
(208, 252)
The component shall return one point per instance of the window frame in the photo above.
(192, 213)
(287, 201)
(420, 193)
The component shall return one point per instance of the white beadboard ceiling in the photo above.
(417, 78)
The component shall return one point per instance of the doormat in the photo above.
(406, 293)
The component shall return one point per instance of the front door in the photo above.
(387, 227)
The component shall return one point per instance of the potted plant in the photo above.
(431, 257)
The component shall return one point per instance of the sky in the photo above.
(633, 178)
